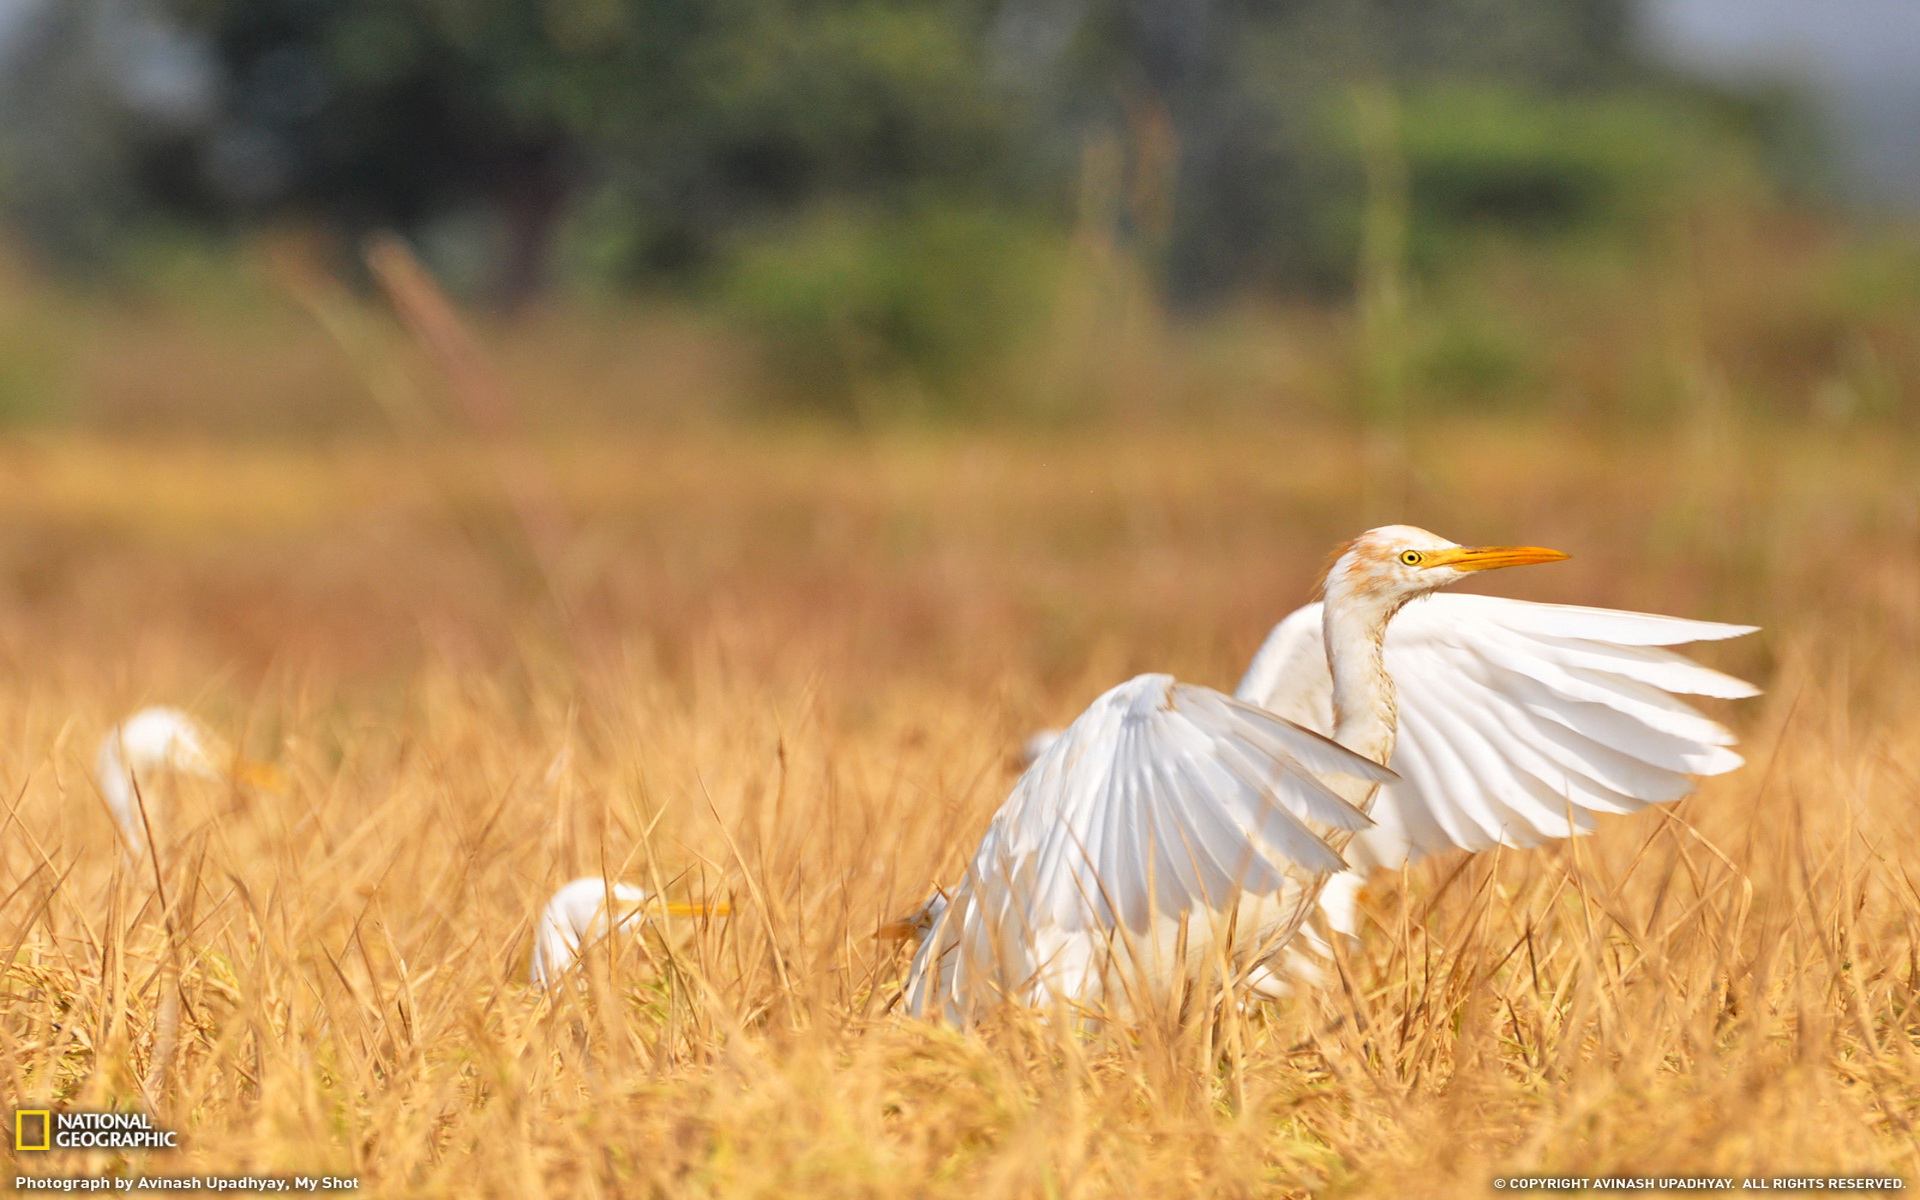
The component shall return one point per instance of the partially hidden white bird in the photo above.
(151, 742)
(576, 918)
(1172, 831)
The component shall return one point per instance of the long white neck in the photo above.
(116, 787)
(1364, 717)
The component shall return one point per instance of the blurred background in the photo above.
(966, 210)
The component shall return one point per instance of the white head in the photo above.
(1371, 578)
(577, 916)
(150, 741)
(160, 740)
(1384, 568)
(167, 739)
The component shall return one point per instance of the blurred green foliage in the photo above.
(667, 125)
(1500, 159)
(28, 377)
(887, 191)
(1470, 353)
(909, 310)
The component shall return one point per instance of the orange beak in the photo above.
(719, 908)
(1486, 558)
(262, 775)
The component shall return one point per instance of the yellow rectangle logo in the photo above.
(32, 1129)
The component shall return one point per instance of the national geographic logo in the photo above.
(57, 1129)
(32, 1128)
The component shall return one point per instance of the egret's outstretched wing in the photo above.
(1518, 721)
(1160, 801)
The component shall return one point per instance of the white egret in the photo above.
(1172, 830)
(576, 917)
(154, 741)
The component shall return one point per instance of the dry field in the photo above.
(790, 669)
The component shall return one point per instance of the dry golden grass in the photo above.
(790, 670)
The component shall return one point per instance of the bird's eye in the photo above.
(1412, 558)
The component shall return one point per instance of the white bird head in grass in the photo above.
(576, 917)
(154, 742)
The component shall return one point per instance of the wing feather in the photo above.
(1549, 785)
(1161, 800)
(1653, 665)
(1492, 792)
(1649, 704)
(1591, 624)
(1518, 721)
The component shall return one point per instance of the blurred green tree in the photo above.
(664, 124)
(1233, 110)
(662, 128)
(873, 182)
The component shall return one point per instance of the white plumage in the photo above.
(576, 917)
(1172, 831)
(1160, 801)
(1518, 721)
(150, 741)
